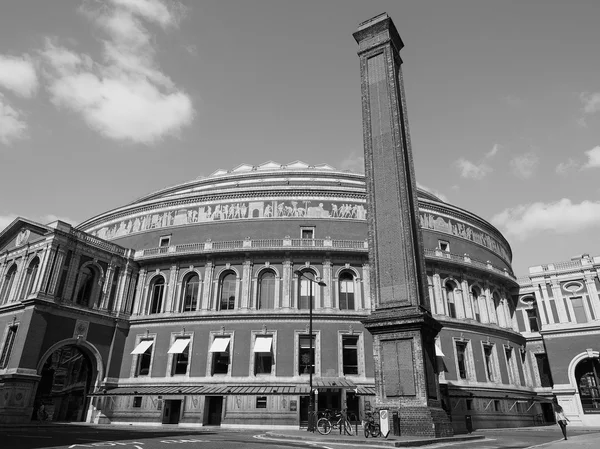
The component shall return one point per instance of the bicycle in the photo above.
(370, 427)
(334, 420)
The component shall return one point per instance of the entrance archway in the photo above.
(587, 376)
(66, 376)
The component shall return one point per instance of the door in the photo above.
(171, 411)
(215, 409)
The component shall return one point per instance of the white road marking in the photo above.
(543, 444)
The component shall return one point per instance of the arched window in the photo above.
(266, 290)
(9, 279)
(475, 295)
(191, 285)
(157, 290)
(306, 290)
(227, 291)
(587, 375)
(450, 300)
(346, 291)
(86, 286)
(30, 278)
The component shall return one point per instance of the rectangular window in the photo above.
(307, 233)
(164, 241)
(543, 366)
(579, 309)
(567, 311)
(469, 404)
(555, 310)
(8, 346)
(144, 357)
(263, 354)
(181, 356)
(497, 405)
(261, 402)
(590, 308)
(220, 357)
(489, 362)
(533, 320)
(137, 401)
(350, 355)
(461, 358)
(444, 246)
(304, 355)
(510, 365)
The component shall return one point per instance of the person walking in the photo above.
(561, 419)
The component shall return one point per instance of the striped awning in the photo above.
(365, 390)
(205, 390)
(333, 382)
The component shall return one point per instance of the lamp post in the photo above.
(311, 400)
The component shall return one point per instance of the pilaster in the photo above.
(71, 275)
(366, 282)
(593, 295)
(560, 303)
(58, 268)
(206, 291)
(539, 300)
(328, 279)
(173, 277)
(287, 280)
(438, 295)
(43, 265)
(106, 288)
(139, 293)
(467, 299)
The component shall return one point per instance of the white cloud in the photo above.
(354, 163)
(12, 125)
(469, 170)
(493, 151)
(18, 75)
(524, 165)
(593, 158)
(591, 102)
(126, 96)
(565, 167)
(560, 217)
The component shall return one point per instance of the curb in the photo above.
(380, 441)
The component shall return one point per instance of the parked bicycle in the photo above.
(334, 420)
(370, 427)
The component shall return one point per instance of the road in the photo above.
(81, 437)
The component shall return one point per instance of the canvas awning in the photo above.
(365, 390)
(333, 382)
(263, 344)
(159, 390)
(438, 350)
(219, 344)
(179, 346)
(142, 347)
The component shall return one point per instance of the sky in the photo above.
(102, 102)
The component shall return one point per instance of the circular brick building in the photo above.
(226, 269)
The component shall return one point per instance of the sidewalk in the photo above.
(390, 441)
(591, 441)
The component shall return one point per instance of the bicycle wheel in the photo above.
(375, 431)
(367, 430)
(348, 427)
(323, 426)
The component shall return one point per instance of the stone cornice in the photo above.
(466, 324)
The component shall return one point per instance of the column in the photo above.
(467, 299)
(246, 283)
(42, 269)
(541, 307)
(438, 295)
(491, 307)
(139, 293)
(122, 288)
(48, 268)
(208, 275)
(173, 278)
(593, 294)
(328, 279)
(560, 304)
(366, 282)
(286, 302)
(71, 275)
(58, 268)
(103, 300)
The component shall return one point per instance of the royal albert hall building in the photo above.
(186, 307)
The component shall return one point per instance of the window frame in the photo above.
(137, 358)
(253, 358)
(359, 353)
(512, 368)
(226, 273)
(8, 343)
(162, 239)
(211, 356)
(310, 229)
(451, 310)
(301, 280)
(151, 294)
(31, 275)
(173, 358)
(469, 363)
(316, 348)
(184, 287)
(261, 402)
(352, 282)
(259, 289)
(444, 246)
(495, 375)
(8, 284)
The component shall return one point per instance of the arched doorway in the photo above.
(587, 375)
(64, 385)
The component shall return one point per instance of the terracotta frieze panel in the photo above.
(232, 211)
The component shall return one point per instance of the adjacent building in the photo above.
(558, 312)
